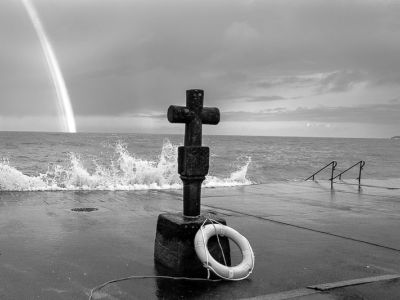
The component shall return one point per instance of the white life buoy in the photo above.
(238, 272)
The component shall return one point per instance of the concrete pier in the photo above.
(303, 234)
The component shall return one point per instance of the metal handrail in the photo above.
(333, 163)
(361, 163)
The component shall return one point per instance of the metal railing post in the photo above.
(334, 164)
(362, 164)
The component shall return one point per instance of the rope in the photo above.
(213, 222)
(204, 243)
(99, 287)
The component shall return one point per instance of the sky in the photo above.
(272, 67)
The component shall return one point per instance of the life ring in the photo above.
(238, 272)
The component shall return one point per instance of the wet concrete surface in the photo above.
(379, 290)
(302, 234)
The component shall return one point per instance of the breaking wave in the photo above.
(124, 172)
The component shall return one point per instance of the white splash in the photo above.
(124, 171)
(64, 102)
(236, 178)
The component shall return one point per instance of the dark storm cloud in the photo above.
(142, 54)
(139, 56)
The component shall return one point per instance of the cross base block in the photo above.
(174, 244)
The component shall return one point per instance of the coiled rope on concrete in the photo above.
(100, 286)
(207, 266)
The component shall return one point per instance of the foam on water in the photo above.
(125, 172)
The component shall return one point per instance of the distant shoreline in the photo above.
(396, 137)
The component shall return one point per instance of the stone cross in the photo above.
(193, 159)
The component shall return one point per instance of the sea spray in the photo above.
(13, 180)
(236, 178)
(124, 171)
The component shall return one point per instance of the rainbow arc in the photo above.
(64, 102)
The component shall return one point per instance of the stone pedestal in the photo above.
(174, 245)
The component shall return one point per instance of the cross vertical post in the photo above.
(193, 158)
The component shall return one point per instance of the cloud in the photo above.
(241, 34)
(321, 83)
(340, 81)
(375, 113)
(308, 80)
(265, 98)
(394, 100)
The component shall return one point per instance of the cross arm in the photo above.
(210, 115)
(179, 114)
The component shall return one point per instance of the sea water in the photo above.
(33, 161)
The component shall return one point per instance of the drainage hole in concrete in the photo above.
(84, 209)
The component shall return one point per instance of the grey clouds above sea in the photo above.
(261, 60)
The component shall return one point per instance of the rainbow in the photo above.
(64, 102)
